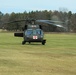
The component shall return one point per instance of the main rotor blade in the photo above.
(15, 21)
(49, 22)
(53, 23)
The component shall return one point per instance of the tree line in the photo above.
(68, 19)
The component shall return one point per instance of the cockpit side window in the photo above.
(39, 32)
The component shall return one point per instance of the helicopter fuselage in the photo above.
(33, 35)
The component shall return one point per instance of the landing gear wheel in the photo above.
(43, 42)
(23, 42)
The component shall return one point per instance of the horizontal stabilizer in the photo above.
(18, 34)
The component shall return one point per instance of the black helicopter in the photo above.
(33, 32)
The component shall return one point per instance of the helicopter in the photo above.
(33, 32)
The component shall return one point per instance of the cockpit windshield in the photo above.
(29, 32)
(34, 32)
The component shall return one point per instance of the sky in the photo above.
(9, 6)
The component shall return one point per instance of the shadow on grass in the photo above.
(7, 43)
(10, 43)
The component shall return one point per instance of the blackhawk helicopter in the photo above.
(33, 32)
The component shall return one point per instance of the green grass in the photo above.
(57, 57)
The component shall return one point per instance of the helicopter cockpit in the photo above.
(34, 32)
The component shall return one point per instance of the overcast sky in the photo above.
(9, 6)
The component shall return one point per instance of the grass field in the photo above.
(57, 57)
